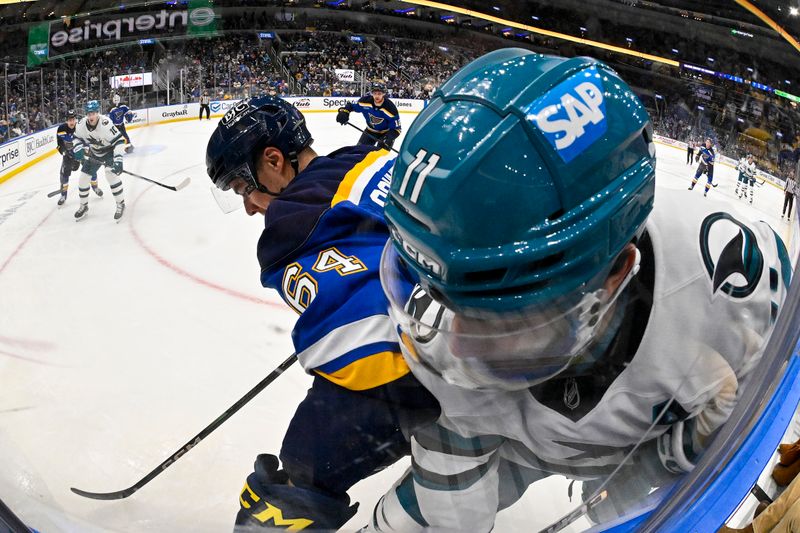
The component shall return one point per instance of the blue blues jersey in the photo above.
(707, 155)
(118, 113)
(64, 137)
(382, 117)
(320, 250)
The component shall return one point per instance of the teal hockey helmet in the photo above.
(92, 106)
(522, 180)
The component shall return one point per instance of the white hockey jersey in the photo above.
(746, 169)
(101, 140)
(719, 283)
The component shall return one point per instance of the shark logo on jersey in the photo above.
(739, 261)
(572, 115)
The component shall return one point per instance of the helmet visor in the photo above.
(229, 199)
(489, 350)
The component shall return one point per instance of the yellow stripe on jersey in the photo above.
(343, 192)
(369, 372)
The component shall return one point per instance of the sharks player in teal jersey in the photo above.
(381, 115)
(571, 319)
(320, 249)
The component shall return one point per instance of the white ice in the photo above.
(118, 342)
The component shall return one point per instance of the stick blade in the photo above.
(182, 185)
(118, 495)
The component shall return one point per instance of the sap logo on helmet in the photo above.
(572, 115)
(416, 255)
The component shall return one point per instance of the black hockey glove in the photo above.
(117, 168)
(267, 502)
(343, 116)
(388, 139)
(75, 164)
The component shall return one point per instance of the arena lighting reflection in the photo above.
(621, 50)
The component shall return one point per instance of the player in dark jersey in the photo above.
(383, 120)
(119, 114)
(65, 136)
(706, 166)
(320, 249)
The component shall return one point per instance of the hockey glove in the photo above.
(128, 117)
(388, 140)
(75, 164)
(343, 116)
(117, 168)
(267, 502)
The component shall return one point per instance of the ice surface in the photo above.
(118, 342)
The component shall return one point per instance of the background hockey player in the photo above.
(119, 115)
(65, 135)
(320, 248)
(706, 156)
(380, 113)
(98, 143)
(560, 317)
(747, 177)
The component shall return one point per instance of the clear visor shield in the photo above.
(233, 187)
(488, 350)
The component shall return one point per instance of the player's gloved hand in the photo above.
(388, 139)
(343, 116)
(117, 167)
(269, 502)
(128, 117)
(77, 152)
(75, 164)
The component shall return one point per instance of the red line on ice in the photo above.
(188, 275)
(25, 241)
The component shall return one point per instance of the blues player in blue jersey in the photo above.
(119, 114)
(706, 166)
(320, 249)
(65, 136)
(383, 120)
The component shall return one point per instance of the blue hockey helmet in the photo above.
(515, 191)
(249, 127)
(71, 114)
(92, 106)
(377, 86)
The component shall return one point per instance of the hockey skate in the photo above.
(62, 199)
(97, 190)
(128, 148)
(120, 210)
(81, 213)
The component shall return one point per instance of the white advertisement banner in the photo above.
(131, 80)
(220, 107)
(39, 143)
(321, 103)
(139, 116)
(172, 112)
(10, 156)
(345, 74)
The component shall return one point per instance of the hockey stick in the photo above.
(177, 187)
(194, 441)
(373, 136)
(54, 193)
